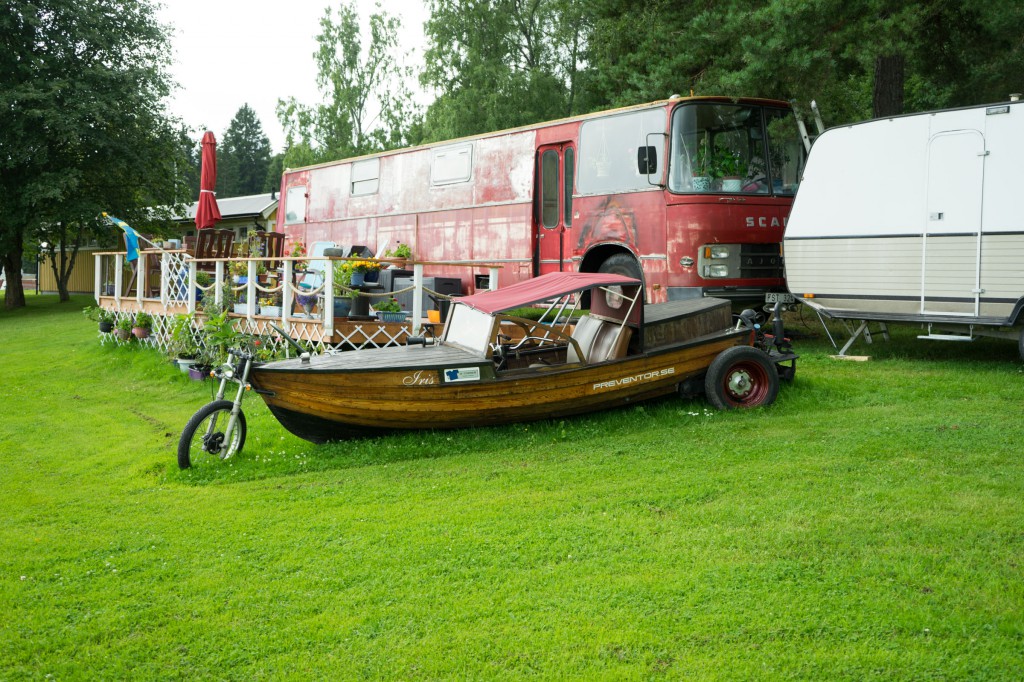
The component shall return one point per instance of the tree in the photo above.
(243, 156)
(501, 63)
(82, 126)
(367, 106)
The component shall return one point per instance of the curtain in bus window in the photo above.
(608, 151)
(569, 163)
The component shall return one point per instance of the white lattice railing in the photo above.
(179, 293)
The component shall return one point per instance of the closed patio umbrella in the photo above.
(207, 213)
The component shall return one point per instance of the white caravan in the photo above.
(917, 218)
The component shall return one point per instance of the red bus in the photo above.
(690, 194)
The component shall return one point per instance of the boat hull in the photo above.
(374, 391)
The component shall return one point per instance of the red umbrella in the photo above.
(207, 213)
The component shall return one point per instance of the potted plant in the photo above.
(270, 306)
(298, 251)
(732, 168)
(182, 344)
(203, 282)
(102, 316)
(365, 271)
(389, 310)
(344, 295)
(143, 325)
(123, 329)
(399, 255)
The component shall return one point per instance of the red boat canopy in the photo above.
(543, 288)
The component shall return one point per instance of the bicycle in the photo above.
(202, 440)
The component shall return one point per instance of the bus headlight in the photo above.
(718, 251)
(717, 271)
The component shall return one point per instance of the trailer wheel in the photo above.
(741, 376)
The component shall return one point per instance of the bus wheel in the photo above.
(622, 264)
(619, 264)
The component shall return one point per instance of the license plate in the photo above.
(778, 297)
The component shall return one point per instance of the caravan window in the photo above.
(452, 164)
(295, 205)
(365, 177)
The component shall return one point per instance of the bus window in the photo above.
(724, 148)
(608, 151)
(785, 151)
(549, 189)
(295, 205)
(570, 162)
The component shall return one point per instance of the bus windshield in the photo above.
(734, 148)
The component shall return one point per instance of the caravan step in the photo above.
(947, 337)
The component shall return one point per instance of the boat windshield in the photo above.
(734, 148)
(469, 329)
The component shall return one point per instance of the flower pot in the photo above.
(701, 183)
(358, 279)
(106, 327)
(308, 302)
(731, 184)
(140, 332)
(241, 279)
(198, 372)
(270, 310)
(388, 316)
(372, 276)
(360, 306)
(241, 308)
(185, 364)
(342, 307)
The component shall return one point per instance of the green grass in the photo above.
(866, 526)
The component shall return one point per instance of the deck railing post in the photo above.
(118, 278)
(417, 297)
(98, 277)
(250, 290)
(286, 293)
(190, 297)
(165, 270)
(218, 282)
(329, 298)
(140, 278)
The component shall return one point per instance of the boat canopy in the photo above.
(543, 288)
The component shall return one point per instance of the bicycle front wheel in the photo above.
(203, 442)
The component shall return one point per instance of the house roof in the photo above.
(262, 205)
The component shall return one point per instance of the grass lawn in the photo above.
(869, 525)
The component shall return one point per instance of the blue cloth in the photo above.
(131, 237)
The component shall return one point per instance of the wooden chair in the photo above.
(271, 245)
(212, 243)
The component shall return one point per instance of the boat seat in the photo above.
(598, 340)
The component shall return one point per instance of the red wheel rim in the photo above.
(746, 383)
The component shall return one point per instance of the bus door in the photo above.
(553, 209)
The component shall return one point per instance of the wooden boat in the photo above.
(490, 366)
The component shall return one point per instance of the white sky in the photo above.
(233, 52)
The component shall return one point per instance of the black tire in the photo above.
(621, 264)
(195, 448)
(741, 376)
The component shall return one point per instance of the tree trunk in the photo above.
(888, 95)
(14, 294)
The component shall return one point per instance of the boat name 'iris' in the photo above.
(646, 376)
(419, 378)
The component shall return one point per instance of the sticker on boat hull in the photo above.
(461, 374)
(636, 378)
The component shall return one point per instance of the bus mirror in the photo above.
(647, 160)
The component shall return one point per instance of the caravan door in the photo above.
(951, 251)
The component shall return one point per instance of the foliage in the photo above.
(400, 251)
(387, 305)
(182, 342)
(865, 527)
(243, 156)
(366, 105)
(203, 278)
(98, 314)
(342, 279)
(219, 335)
(298, 250)
(125, 324)
(143, 320)
(83, 128)
(501, 63)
